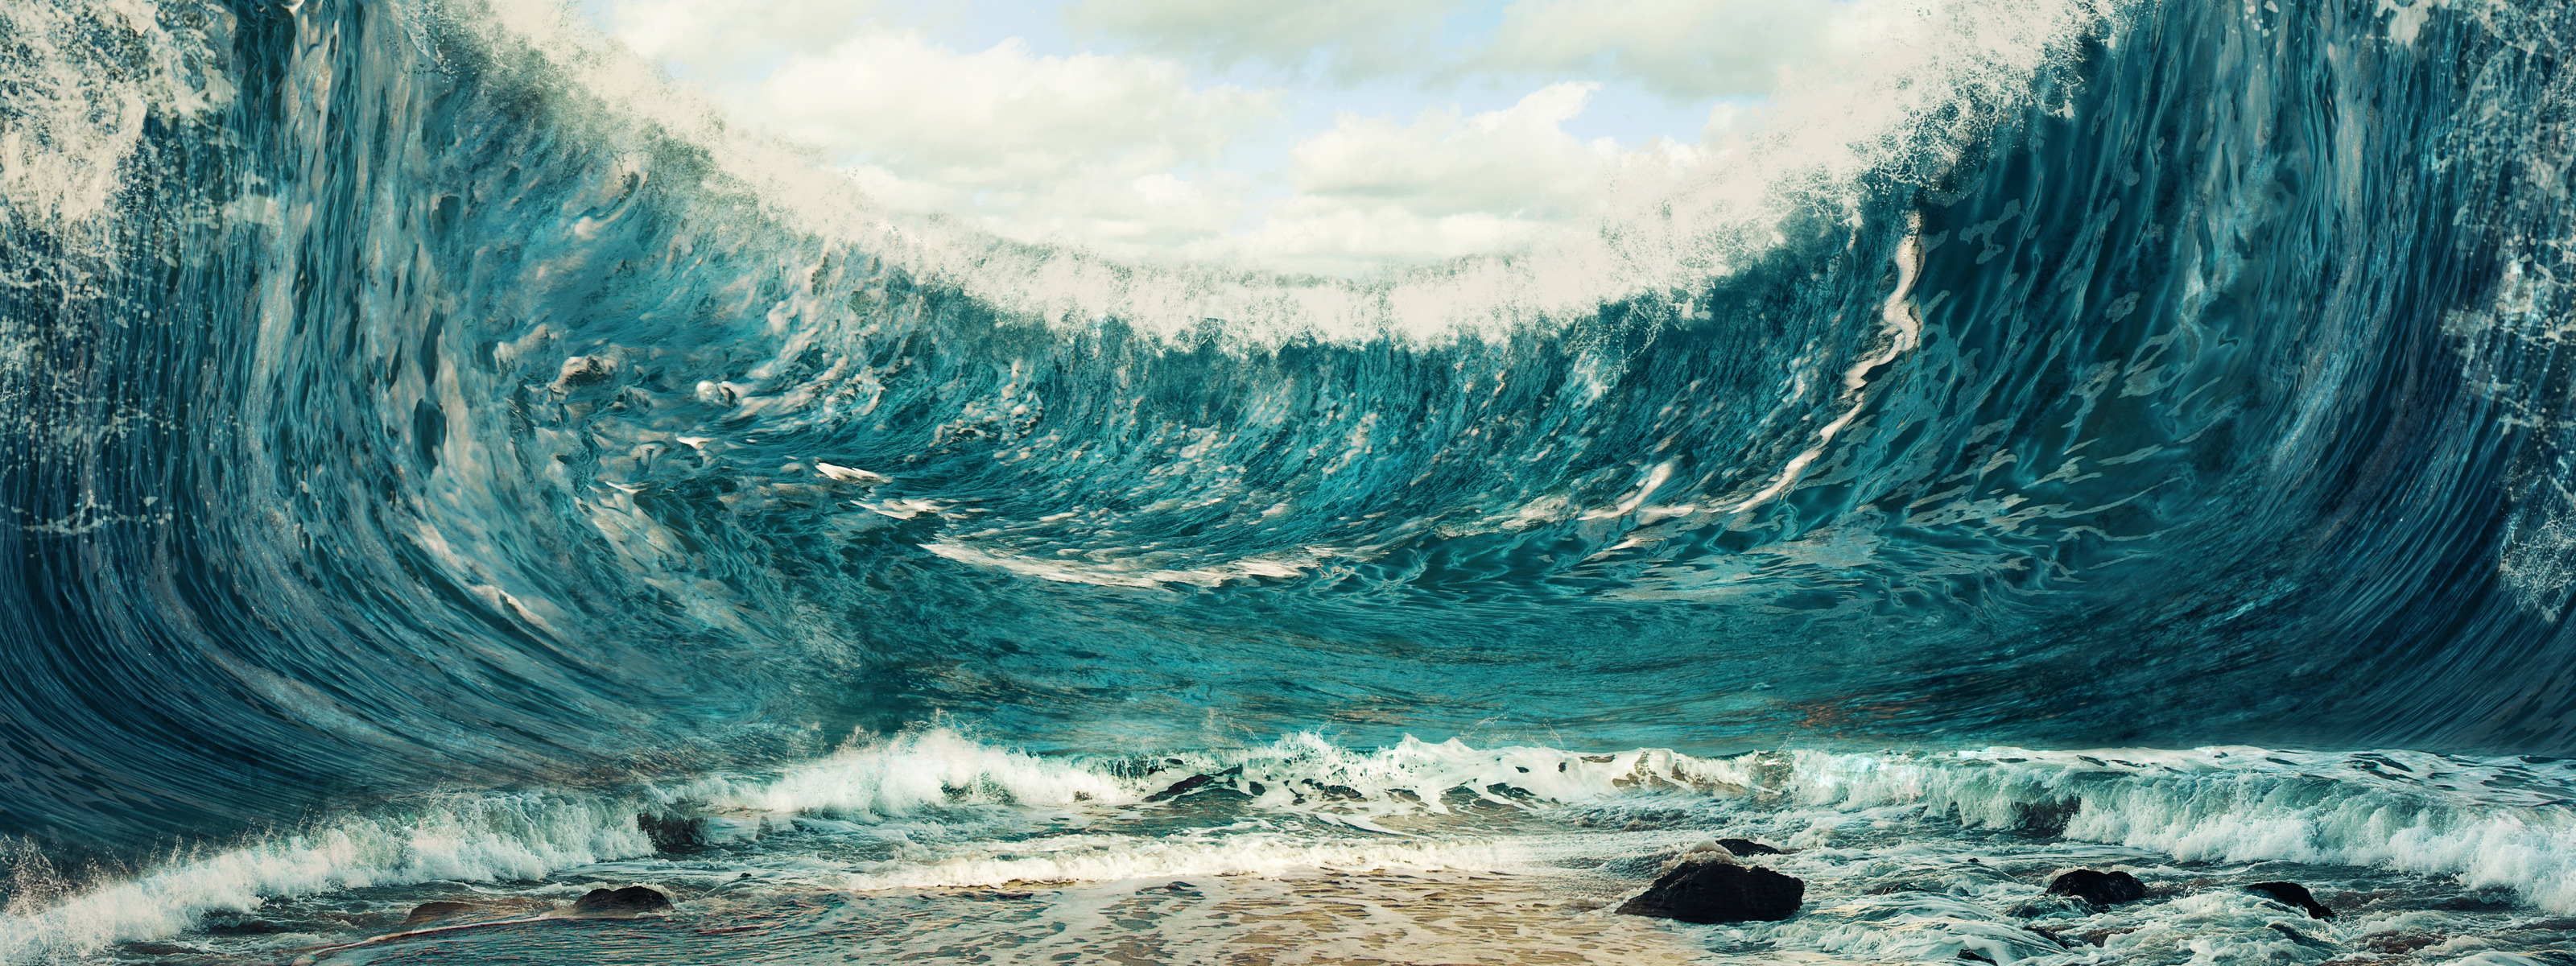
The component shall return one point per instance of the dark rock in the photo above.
(432, 911)
(621, 902)
(2293, 895)
(1660, 861)
(247, 927)
(672, 833)
(2472, 902)
(2098, 937)
(1658, 819)
(1748, 847)
(2046, 818)
(2299, 937)
(1179, 788)
(2399, 944)
(1711, 891)
(158, 949)
(2099, 888)
(1334, 793)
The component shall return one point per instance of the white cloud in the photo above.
(1686, 49)
(1372, 191)
(1683, 49)
(1114, 152)
(706, 36)
(1517, 161)
(1128, 153)
(1000, 115)
(1145, 216)
(1347, 38)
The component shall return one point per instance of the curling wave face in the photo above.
(411, 396)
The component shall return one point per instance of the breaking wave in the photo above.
(960, 813)
(424, 427)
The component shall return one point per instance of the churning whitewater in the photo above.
(451, 470)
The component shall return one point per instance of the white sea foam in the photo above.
(83, 80)
(908, 772)
(2490, 822)
(1302, 772)
(2498, 822)
(526, 837)
(463, 838)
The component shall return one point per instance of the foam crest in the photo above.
(1308, 773)
(478, 839)
(908, 772)
(83, 81)
(2500, 822)
(529, 837)
(2489, 822)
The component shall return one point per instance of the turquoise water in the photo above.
(432, 442)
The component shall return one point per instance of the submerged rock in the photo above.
(1180, 788)
(2293, 895)
(1719, 891)
(2301, 938)
(672, 833)
(159, 949)
(2047, 818)
(1749, 847)
(2099, 888)
(434, 911)
(1664, 860)
(246, 927)
(619, 902)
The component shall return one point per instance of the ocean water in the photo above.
(442, 461)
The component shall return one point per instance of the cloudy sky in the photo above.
(1330, 136)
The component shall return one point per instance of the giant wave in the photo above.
(423, 415)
